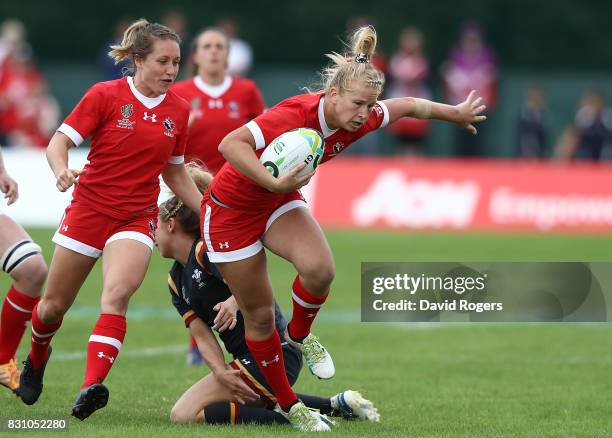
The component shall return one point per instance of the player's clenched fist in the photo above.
(8, 186)
(66, 178)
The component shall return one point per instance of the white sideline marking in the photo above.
(326, 317)
(144, 313)
(182, 349)
(142, 352)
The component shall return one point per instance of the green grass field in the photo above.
(426, 379)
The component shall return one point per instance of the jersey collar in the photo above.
(214, 91)
(149, 102)
(326, 131)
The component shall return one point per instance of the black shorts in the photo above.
(257, 382)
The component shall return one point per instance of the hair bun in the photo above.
(362, 58)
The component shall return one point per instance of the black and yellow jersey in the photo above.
(197, 287)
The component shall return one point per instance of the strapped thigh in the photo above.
(17, 253)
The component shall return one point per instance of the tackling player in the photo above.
(247, 208)
(138, 130)
(219, 104)
(205, 303)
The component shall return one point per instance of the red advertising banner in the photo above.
(450, 194)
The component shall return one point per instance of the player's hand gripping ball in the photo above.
(302, 145)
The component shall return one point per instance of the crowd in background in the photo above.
(472, 64)
(29, 114)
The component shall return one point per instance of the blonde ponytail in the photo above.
(121, 52)
(354, 65)
(364, 42)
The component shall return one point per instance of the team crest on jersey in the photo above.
(197, 276)
(234, 111)
(169, 125)
(337, 147)
(378, 110)
(126, 111)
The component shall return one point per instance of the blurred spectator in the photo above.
(589, 137)
(408, 72)
(240, 52)
(471, 65)
(12, 43)
(176, 21)
(28, 115)
(109, 69)
(533, 124)
(37, 118)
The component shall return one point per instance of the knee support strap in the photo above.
(16, 254)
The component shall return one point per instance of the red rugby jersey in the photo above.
(218, 110)
(133, 137)
(303, 111)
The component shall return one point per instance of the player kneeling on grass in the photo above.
(205, 303)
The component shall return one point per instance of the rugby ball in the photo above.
(302, 145)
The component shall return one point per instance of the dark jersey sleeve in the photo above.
(180, 304)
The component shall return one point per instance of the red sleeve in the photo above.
(86, 116)
(287, 115)
(189, 319)
(181, 138)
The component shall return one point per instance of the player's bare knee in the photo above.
(262, 327)
(177, 415)
(38, 273)
(319, 276)
(31, 276)
(325, 275)
(116, 297)
(260, 319)
(51, 310)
